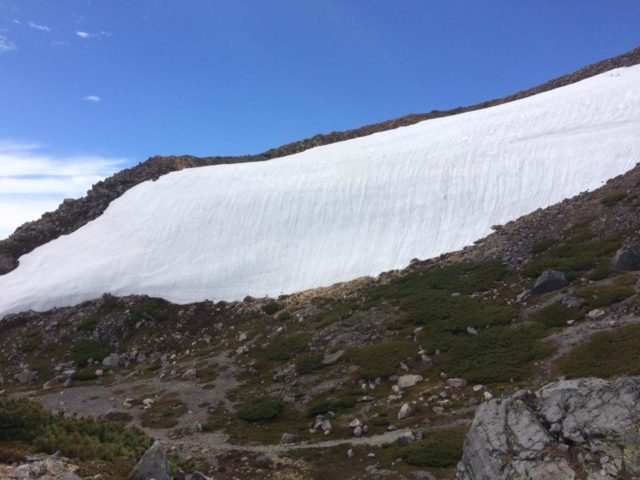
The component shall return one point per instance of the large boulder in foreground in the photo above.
(549, 281)
(153, 465)
(627, 258)
(585, 428)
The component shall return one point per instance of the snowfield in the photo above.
(341, 211)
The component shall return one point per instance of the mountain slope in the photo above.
(72, 214)
(344, 210)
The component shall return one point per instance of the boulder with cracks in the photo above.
(585, 428)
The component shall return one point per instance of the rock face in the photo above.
(585, 428)
(627, 258)
(549, 280)
(153, 464)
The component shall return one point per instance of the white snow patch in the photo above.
(340, 211)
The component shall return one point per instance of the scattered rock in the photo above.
(549, 281)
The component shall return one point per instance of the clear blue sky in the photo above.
(127, 79)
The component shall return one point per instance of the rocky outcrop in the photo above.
(73, 214)
(585, 428)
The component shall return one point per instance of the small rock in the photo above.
(596, 314)
(331, 358)
(291, 438)
(199, 476)
(457, 382)
(572, 302)
(408, 381)
(190, 374)
(405, 411)
(113, 361)
(264, 462)
(26, 376)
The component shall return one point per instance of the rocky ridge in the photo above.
(72, 214)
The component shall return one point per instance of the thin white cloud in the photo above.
(92, 98)
(32, 182)
(42, 28)
(6, 45)
(97, 35)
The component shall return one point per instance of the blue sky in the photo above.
(88, 87)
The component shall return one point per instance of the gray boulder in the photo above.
(549, 281)
(26, 376)
(113, 361)
(264, 461)
(331, 358)
(153, 464)
(291, 438)
(528, 435)
(627, 258)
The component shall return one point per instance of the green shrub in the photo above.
(596, 297)
(309, 362)
(336, 313)
(606, 354)
(164, 412)
(426, 299)
(496, 355)
(614, 198)
(151, 309)
(89, 324)
(85, 349)
(438, 448)
(77, 438)
(283, 316)
(542, 245)
(555, 315)
(383, 359)
(285, 348)
(574, 256)
(32, 341)
(261, 409)
(341, 402)
(85, 374)
(271, 308)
